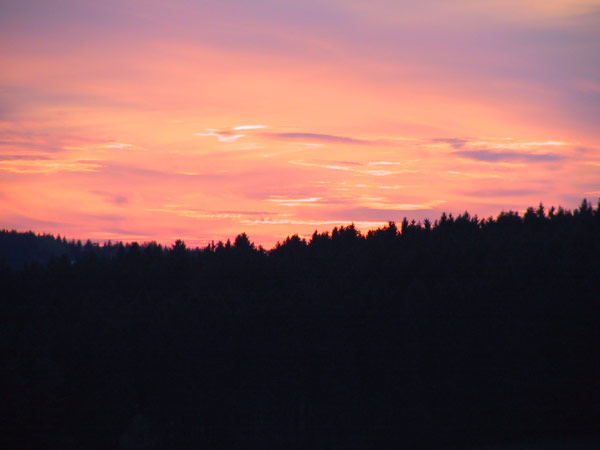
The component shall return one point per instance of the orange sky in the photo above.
(165, 120)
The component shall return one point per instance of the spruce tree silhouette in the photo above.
(460, 333)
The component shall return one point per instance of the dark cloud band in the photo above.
(491, 156)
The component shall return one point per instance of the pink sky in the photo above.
(156, 120)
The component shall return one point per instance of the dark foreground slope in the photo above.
(457, 334)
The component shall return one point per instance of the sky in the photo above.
(198, 120)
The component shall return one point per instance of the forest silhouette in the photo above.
(452, 334)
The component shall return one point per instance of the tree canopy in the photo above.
(462, 332)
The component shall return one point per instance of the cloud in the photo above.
(130, 170)
(119, 231)
(347, 163)
(246, 213)
(305, 201)
(359, 224)
(353, 167)
(508, 143)
(477, 175)
(229, 135)
(120, 200)
(380, 173)
(318, 137)
(454, 142)
(492, 156)
(111, 218)
(41, 147)
(183, 211)
(23, 157)
(39, 137)
(119, 145)
(124, 169)
(195, 213)
(21, 222)
(47, 166)
(387, 163)
(324, 165)
(281, 190)
(503, 192)
(224, 136)
(115, 199)
(249, 127)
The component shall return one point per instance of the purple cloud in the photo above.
(318, 137)
(23, 157)
(454, 142)
(503, 192)
(491, 156)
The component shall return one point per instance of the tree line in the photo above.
(453, 333)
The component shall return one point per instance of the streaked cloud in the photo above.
(318, 137)
(115, 199)
(332, 165)
(510, 144)
(508, 156)
(221, 136)
(23, 157)
(474, 175)
(119, 145)
(356, 167)
(454, 142)
(47, 166)
(199, 214)
(249, 127)
(237, 216)
(387, 163)
(295, 201)
(316, 223)
(483, 193)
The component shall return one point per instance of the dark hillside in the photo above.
(460, 333)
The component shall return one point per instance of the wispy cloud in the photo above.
(306, 201)
(119, 145)
(454, 142)
(27, 222)
(357, 167)
(478, 175)
(222, 136)
(47, 166)
(331, 166)
(197, 213)
(229, 135)
(387, 163)
(348, 163)
(511, 144)
(385, 204)
(117, 233)
(359, 224)
(194, 213)
(508, 156)
(23, 158)
(503, 192)
(318, 137)
(127, 170)
(249, 127)
(115, 199)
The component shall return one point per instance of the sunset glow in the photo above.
(130, 120)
